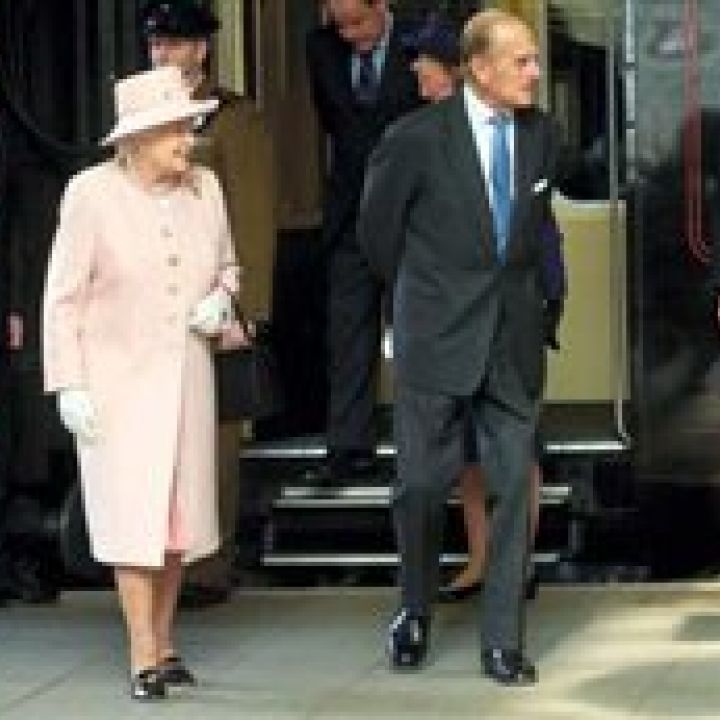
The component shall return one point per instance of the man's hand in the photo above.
(78, 415)
(552, 314)
(212, 314)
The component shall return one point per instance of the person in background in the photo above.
(361, 82)
(455, 199)
(139, 291)
(435, 52)
(236, 144)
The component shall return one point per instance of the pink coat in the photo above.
(127, 266)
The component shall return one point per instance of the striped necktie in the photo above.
(500, 183)
(366, 83)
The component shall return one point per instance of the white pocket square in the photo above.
(539, 186)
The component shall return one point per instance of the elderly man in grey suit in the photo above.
(454, 201)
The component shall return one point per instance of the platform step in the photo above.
(303, 497)
(300, 559)
(313, 449)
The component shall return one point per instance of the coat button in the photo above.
(172, 289)
(173, 261)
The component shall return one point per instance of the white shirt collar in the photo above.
(379, 52)
(479, 116)
(382, 46)
(478, 109)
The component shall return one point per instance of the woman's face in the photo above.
(188, 54)
(166, 150)
(435, 79)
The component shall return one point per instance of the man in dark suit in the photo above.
(361, 82)
(455, 199)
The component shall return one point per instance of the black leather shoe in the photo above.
(147, 685)
(456, 593)
(173, 672)
(508, 667)
(407, 641)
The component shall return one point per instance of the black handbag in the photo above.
(247, 380)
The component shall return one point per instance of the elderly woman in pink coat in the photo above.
(138, 293)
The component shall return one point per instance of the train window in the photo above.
(586, 95)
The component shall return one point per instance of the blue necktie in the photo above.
(500, 182)
(366, 84)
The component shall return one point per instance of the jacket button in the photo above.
(173, 261)
(172, 289)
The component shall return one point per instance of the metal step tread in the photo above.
(315, 449)
(374, 559)
(305, 497)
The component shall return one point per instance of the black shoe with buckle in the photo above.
(173, 672)
(508, 667)
(147, 684)
(407, 640)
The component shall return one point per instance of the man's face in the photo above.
(359, 22)
(435, 79)
(508, 74)
(188, 54)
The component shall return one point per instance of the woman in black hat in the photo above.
(435, 52)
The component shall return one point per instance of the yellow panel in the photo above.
(592, 356)
(230, 45)
(528, 10)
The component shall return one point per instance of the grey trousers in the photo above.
(429, 430)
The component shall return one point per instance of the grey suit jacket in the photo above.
(426, 225)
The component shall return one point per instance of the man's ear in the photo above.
(478, 69)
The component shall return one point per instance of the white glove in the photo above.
(212, 313)
(78, 415)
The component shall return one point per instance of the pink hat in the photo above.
(151, 98)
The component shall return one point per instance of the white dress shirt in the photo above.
(379, 54)
(480, 115)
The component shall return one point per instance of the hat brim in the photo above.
(141, 121)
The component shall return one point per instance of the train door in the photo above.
(586, 86)
(677, 53)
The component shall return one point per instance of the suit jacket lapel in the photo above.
(463, 155)
(525, 151)
(394, 64)
(341, 69)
